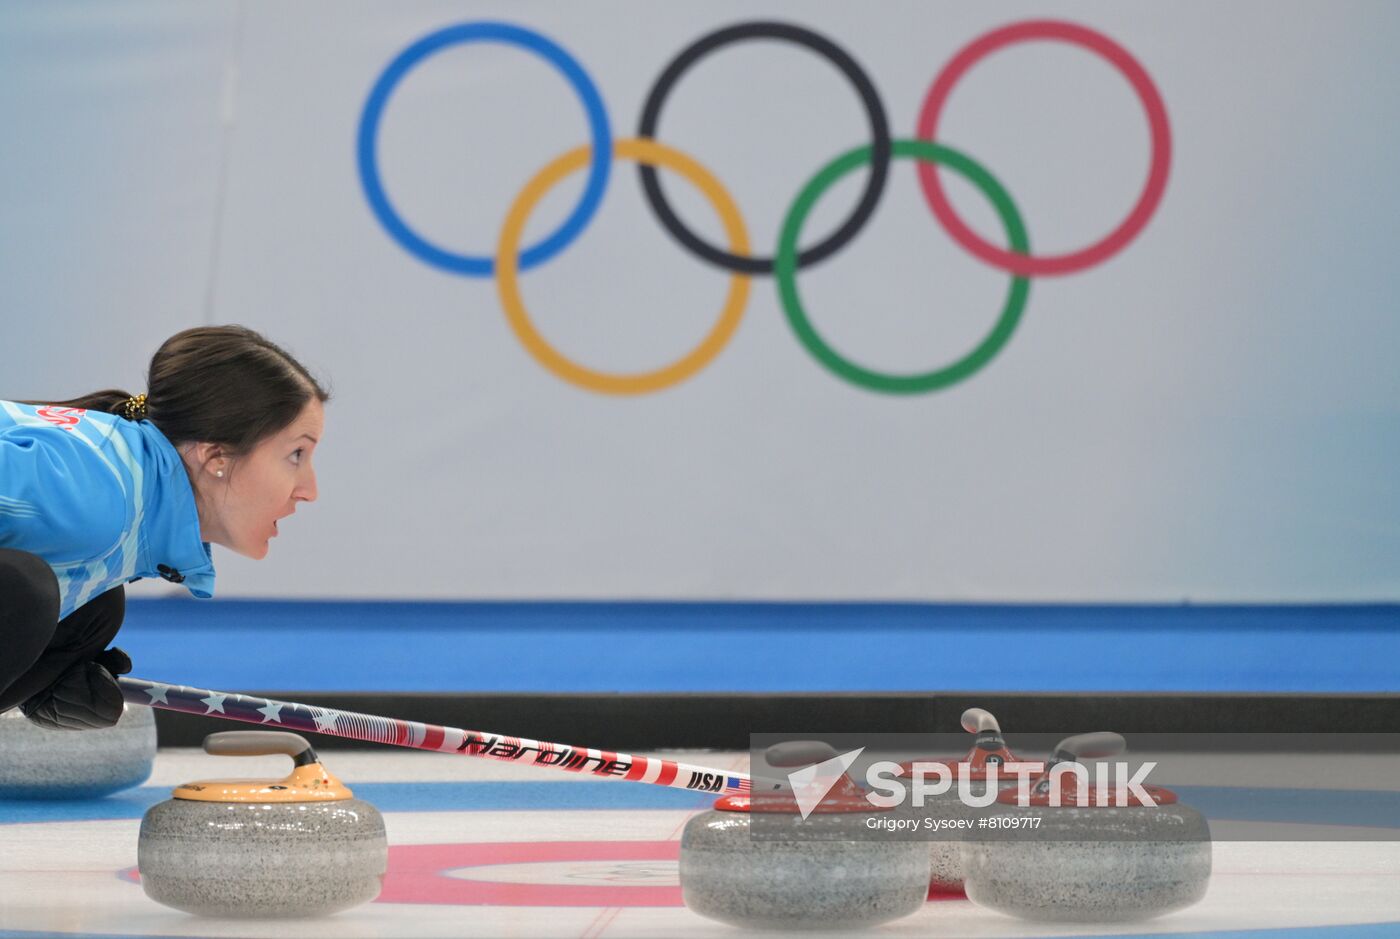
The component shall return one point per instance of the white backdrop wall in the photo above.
(1213, 413)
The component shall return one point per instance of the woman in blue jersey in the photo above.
(111, 487)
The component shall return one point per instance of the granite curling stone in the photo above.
(300, 846)
(989, 756)
(40, 763)
(795, 874)
(1115, 859)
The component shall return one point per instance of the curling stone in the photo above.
(300, 846)
(40, 763)
(1116, 859)
(989, 753)
(798, 873)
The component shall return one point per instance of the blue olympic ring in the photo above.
(531, 41)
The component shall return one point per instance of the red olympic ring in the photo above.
(1120, 58)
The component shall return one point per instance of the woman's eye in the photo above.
(296, 455)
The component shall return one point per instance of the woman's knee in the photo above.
(29, 608)
(28, 587)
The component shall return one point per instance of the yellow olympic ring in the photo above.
(508, 259)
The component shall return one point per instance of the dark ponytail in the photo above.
(109, 400)
(219, 384)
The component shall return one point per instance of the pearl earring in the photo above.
(219, 473)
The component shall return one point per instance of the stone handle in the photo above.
(1090, 746)
(977, 721)
(260, 743)
(791, 753)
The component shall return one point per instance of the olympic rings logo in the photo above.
(511, 258)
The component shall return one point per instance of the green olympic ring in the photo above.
(785, 271)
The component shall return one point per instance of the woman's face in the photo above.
(240, 509)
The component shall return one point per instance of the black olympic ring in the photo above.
(879, 137)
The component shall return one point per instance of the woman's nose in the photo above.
(306, 491)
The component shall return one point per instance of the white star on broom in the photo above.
(325, 721)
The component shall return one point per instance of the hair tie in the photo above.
(135, 408)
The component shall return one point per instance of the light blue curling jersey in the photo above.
(102, 499)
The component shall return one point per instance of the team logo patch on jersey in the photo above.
(63, 418)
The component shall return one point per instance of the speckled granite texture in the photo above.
(1134, 863)
(259, 859)
(38, 763)
(800, 883)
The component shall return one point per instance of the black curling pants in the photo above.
(36, 647)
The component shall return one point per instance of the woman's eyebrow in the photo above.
(309, 437)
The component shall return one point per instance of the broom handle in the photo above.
(285, 715)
